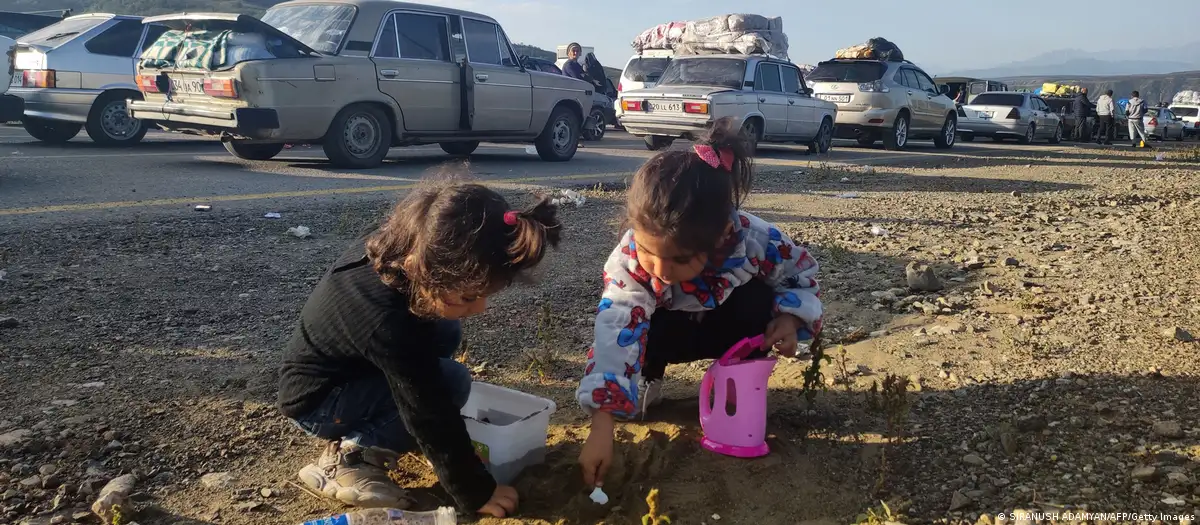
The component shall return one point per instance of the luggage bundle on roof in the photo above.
(1189, 97)
(733, 33)
(874, 49)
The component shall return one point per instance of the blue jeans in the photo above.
(363, 411)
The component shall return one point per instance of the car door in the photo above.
(935, 113)
(503, 91)
(414, 67)
(802, 119)
(917, 101)
(772, 103)
(1046, 119)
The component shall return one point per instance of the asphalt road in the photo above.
(171, 173)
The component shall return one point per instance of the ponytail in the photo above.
(534, 229)
(725, 135)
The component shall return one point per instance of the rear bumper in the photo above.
(662, 127)
(12, 108)
(853, 124)
(70, 105)
(240, 123)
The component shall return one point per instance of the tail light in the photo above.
(695, 107)
(38, 78)
(874, 87)
(1014, 114)
(1153, 121)
(633, 105)
(220, 87)
(620, 87)
(146, 84)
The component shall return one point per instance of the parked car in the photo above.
(1065, 108)
(77, 74)
(1163, 124)
(893, 101)
(1008, 114)
(644, 69)
(1190, 114)
(763, 94)
(11, 106)
(358, 77)
(15, 25)
(602, 112)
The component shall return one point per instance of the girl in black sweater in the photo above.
(369, 367)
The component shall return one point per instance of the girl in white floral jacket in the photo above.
(692, 276)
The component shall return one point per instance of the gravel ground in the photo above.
(1003, 334)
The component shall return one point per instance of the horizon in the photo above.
(982, 35)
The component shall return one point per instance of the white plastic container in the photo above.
(508, 428)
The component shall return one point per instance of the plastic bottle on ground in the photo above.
(441, 516)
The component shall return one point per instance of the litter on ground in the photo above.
(302, 232)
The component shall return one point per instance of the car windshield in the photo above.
(319, 26)
(847, 72)
(723, 72)
(999, 99)
(1186, 112)
(58, 34)
(646, 69)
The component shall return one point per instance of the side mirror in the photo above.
(807, 91)
(944, 89)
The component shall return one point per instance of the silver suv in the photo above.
(891, 101)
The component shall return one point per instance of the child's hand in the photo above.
(781, 334)
(596, 456)
(503, 502)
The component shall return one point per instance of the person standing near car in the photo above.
(572, 68)
(1105, 109)
(1082, 108)
(1134, 113)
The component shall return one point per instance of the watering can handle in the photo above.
(741, 349)
(706, 385)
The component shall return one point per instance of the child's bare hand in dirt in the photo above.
(781, 334)
(597, 453)
(503, 502)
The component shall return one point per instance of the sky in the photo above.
(938, 36)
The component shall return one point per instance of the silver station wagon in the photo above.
(357, 77)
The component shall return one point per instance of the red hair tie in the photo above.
(510, 218)
(722, 159)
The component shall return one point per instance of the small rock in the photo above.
(80, 516)
(947, 329)
(921, 277)
(114, 495)
(14, 437)
(1009, 261)
(1145, 473)
(47, 470)
(251, 506)
(31, 482)
(1179, 478)
(91, 487)
(58, 520)
(972, 263)
(111, 435)
(217, 480)
(1167, 429)
(9, 322)
(959, 501)
(243, 494)
(51, 482)
(268, 492)
(1031, 423)
(974, 460)
(1178, 334)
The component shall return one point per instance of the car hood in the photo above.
(223, 21)
(676, 91)
(541, 79)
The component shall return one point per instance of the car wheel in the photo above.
(560, 138)
(359, 137)
(50, 131)
(655, 143)
(752, 134)
(109, 123)
(1180, 137)
(866, 140)
(460, 149)
(253, 151)
(1058, 133)
(949, 134)
(595, 125)
(897, 138)
(1030, 132)
(967, 137)
(824, 139)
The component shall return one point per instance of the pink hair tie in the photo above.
(723, 159)
(510, 218)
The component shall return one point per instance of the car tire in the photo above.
(595, 124)
(50, 131)
(359, 137)
(560, 137)
(948, 135)
(655, 143)
(967, 137)
(1030, 133)
(460, 149)
(896, 139)
(1057, 136)
(1180, 137)
(752, 132)
(252, 151)
(823, 142)
(866, 140)
(109, 123)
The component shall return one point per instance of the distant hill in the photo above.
(1154, 88)
(1078, 62)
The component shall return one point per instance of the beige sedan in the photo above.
(357, 77)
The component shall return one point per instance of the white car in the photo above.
(11, 106)
(764, 95)
(1190, 114)
(644, 69)
(1005, 114)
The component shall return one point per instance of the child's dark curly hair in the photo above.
(456, 237)
(679, 195)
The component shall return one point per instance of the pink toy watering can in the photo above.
(743, 433)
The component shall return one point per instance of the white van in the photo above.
(1190, 113)
(643, 70)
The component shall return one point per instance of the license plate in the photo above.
(187, 86)
(987, 114)
(18, 79)
(835, 98)
(666, 106)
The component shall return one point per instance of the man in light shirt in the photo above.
(1105, 109)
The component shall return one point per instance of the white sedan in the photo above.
(1004, 114)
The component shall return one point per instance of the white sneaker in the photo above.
(649, 394)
